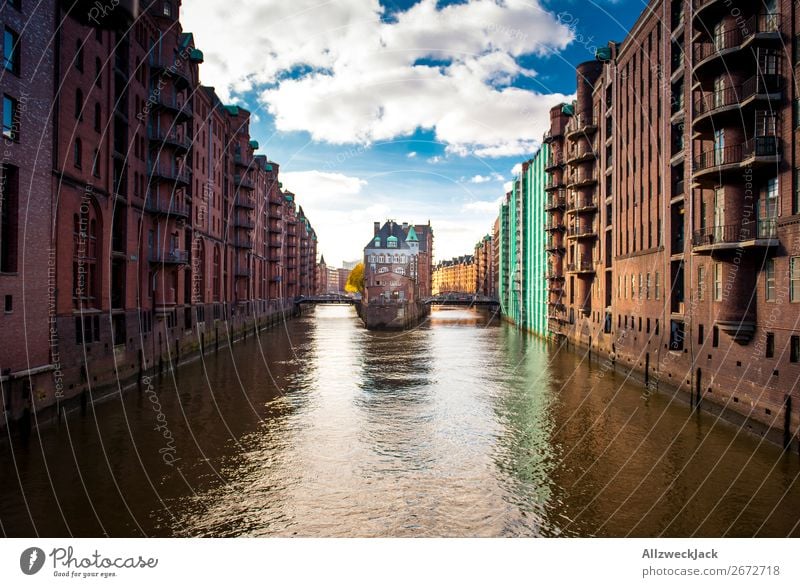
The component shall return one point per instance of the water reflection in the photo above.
(461, 427)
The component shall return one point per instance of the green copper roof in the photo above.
(280, 184)
(196, 55)
(232, 109)
(392, 239)
(487, 238)
(267, 167)
(289, 197)
(568, 109)
(254, 144)
(412, 236)
(603, 54)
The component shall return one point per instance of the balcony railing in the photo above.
(581, 123)
(183, 109)
(243, 181)
(242, 160)
(581, 266)
(582, 177)
(169, 172)
(242, 201)
(553, 183)
(580, 204)
(163, 137)
(555, 200)
(161, 65)
(735, 95)
(174, 257)
(580, 231)
(164, 207)
(242, 242)
(553, 226)
(244, 223)
(734, 37)
(735, 154)
(736, 233)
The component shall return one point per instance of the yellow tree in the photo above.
(355, 283)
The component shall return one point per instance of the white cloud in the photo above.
(337, 71)
(483, 206)
(412, 155)
(435, 159)
(486, 178)
(516, 170)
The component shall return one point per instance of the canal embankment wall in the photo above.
(392, 316)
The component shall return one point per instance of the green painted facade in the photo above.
(523, 259)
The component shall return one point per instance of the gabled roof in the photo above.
(389, 229)
(412, 235)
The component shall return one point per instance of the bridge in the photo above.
(461, 299)
(326, 299)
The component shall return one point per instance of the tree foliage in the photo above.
(355, 283)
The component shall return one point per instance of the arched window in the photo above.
(96, 163)
(78, 104)
(77, 153)
(98, 72)
(215, 273)
(78, 55)
(86, 234)
(98, 120)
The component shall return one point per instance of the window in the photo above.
(10, 118)
(647, 287)
(9, 192)
(96, 163)
(717, 282)
(377, 241)
(78, 56)
(769, 279)
(796, 194)
(77, 153)
(98, 72)
(794, 279)
(641, 286)
(771, 198)
(98, 119)
(167, 9)
(658, 286)
(700, 334)
(770, 344)
(715, 337)
(11, 51)
(85, 247)
(78, 104)
(794, 349)
(676, 335)
(9, 304)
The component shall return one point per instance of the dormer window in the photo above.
(377, 241)
(167, 9)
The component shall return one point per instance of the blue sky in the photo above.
(412, 110)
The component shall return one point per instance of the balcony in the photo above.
(242, 242)
(174, 257)
(162, 138)
(174, 69)
(554, 248)
(711, 109)
(582, 267)
(759, 151)
(582, 179)
(275, 241)
(181, 109)
(242, 201)
(244, 161)
(711, 54)
(170, 173)
(581, 154)
(242, 181)
(554, 161)
(554, 201)
(553, 184)
(580, 125)
(242, 273)
(582, 232)
(553, 226)
(553, 275)
(552, 135)
(749, 234)
(162, 207)
(246, 223)
(578, 204)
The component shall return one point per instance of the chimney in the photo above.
(405, 226)
(377, 228)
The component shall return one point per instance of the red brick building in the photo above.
(167, 231)
(676, 214)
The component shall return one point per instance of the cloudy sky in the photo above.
(414, 110)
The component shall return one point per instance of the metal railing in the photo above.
(764, 146)
(734, 95)
(735, 233)
(581, 265)
(169, 257)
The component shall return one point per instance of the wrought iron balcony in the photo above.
(580, 125)
(747, 234)
(173, 257)
(169, 139)
(733, 98)
(582, 266)
(164, 207)
(763, 149)
(243, 201)
(170, 173)
(243, 181)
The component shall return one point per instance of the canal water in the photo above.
(461, 427)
